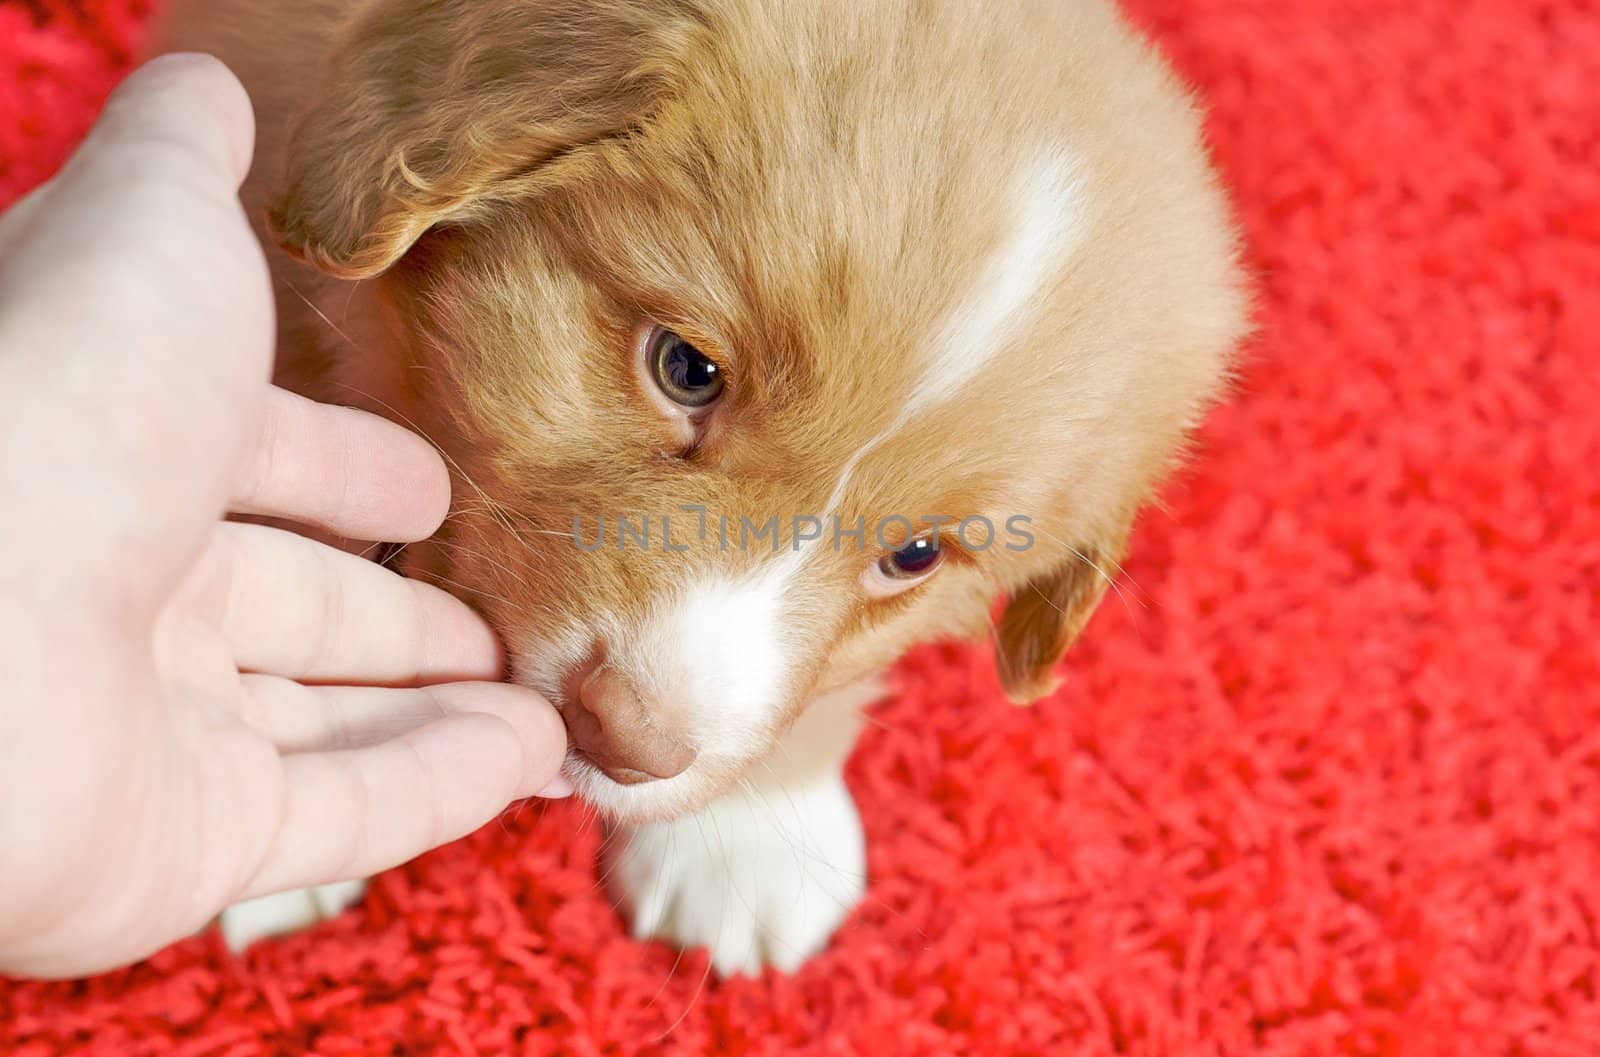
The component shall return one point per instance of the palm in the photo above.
(197, 710)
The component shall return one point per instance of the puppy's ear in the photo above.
(1043, 618)
(431, 112)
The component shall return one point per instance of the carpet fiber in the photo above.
(1324, 780)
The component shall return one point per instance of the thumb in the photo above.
(135, 331)
(188, 106)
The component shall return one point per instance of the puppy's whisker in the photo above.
(355, 287)
(487, 559)
(469, 591)
(880, 724)
(370, 549)
(866, 899)
(468, 508)
(515, 574)
(666, 982)
(803, 851)
(390, 408)
(320, 314)
(757, 799)
(621, 853)
(589, 819)
(705, 976)
(514, 812)
(1111, 581)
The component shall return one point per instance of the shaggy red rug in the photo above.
(1325, 781)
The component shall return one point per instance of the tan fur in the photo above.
(802, 189)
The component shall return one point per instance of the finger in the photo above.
(298, 718)
(341, 469)
(351, 814)
(180, 125)
(140, 324)
(184, 105)
(217, 129)
(20, 215)
(303, 610)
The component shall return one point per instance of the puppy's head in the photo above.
(770, 338)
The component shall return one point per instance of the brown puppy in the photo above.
(768, 338)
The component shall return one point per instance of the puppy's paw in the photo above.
(760, 878)
(275, 915)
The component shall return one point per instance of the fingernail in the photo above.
(558, 789)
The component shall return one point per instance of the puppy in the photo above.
(766, 339)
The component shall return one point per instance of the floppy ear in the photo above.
(431, 112)
(1043, 618)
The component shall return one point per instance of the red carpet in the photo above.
(1328, 782)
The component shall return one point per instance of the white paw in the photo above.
(275, 915)
(762, 877)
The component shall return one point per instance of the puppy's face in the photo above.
(767, 346)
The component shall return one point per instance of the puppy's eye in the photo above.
(915, 559)
(685, 374)
(903, 569)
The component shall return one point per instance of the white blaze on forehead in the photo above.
(1048, 220)
(717, 650)
(1049, 214)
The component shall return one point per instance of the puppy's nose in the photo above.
(610, 724)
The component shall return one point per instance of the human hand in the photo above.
(195, 711)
